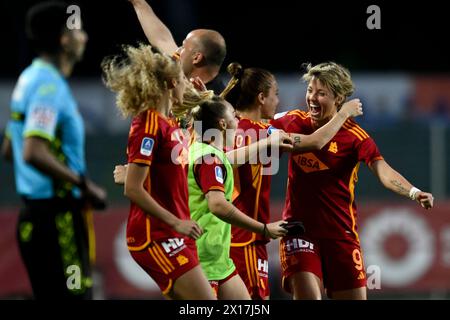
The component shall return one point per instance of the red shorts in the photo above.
(338, 263)
(215, 284)
(253, 266)
(165, 260)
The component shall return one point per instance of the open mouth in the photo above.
(314, 109)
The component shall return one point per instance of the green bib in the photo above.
(214, 245)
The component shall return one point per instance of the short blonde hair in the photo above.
(139, 80)
(336, 77)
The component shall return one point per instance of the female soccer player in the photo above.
(254, 94)
(160, 234)
(320, 193)
(210, 179)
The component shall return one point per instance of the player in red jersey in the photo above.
(254, 94)
(320, 193)
(160, 234)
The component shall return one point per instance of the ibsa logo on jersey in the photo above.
(219, 174)
(308, 162)
(147, 146)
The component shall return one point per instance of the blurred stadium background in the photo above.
(402, 75)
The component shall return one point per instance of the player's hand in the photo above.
(95, 195)
(352, 108)
(275, 230)
(281, 139)
(120, 174)
(198, 84)
(425, 199)
(189, 228)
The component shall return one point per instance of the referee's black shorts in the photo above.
(54, 244)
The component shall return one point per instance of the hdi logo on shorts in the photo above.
(298, 245)
(173, 244)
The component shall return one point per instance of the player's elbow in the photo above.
(217, 206)
(130, 191)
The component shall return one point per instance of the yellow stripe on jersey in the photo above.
(155, 129)
(301, 114)
(147, 162)
(351, 187)
(247, 265)
(152, 123)
(282, 256)
(349, 128)
(255, 265)
(361, 131)
(147, 122)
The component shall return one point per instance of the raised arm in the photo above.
(155, 30)
(323, 135)
(395, 182)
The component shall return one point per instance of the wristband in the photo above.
(413, 192)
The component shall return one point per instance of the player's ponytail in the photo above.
(245, 85)
(232, 91)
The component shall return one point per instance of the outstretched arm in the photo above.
(395, 182)
(318, 139)
(240, 156)
(227, 212)
(155, 30)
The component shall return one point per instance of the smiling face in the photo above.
(321, 101)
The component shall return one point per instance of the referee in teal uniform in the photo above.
(46, 138)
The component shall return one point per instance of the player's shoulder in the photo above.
(292, 114)
(354, 129)
(151, 122)
(245, 124)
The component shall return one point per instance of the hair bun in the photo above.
(235, 69)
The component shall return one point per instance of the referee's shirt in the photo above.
(43, 106)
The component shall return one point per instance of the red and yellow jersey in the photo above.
(158, 143)
(251, 188)
(210, 174)
(321, 184)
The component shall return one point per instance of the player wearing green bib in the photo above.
(210, 180)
